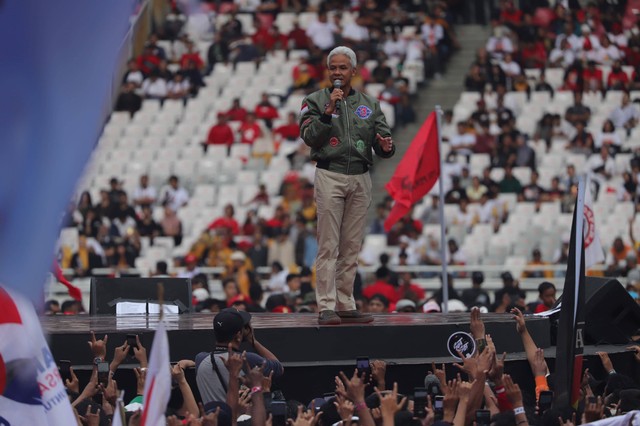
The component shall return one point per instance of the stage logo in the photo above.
(461, 342)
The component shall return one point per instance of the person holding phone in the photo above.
(231, 329)
(342, 127)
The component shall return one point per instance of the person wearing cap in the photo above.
(476, 296)
(241, 271)
(231, 328)
(405, 305)
(191, 267)
(342, 127)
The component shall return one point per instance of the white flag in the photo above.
(593, 252)
(31, 389)
(157, 386)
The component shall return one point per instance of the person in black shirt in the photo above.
(128, 99)
(476, 296)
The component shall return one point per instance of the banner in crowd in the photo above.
(570, 341)
(416, 173)
(157, 386)
(56, 80)
(31, 389)
(593, 252)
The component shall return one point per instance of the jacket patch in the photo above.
(360, 146)
(304, 109)
(363, 112)
(334, 141)
(307, 121)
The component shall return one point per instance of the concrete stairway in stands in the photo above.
(444, 91)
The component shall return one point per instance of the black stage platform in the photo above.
(313, 355)
(296, 338)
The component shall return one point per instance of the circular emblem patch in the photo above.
(461, 342)
(363, 111)
(360, 145)
(334, 141)
(590, 226)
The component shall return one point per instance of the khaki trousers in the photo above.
(342, 202)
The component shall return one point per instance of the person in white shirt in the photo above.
(626, 115)
(394, 46)
(509, 66)
(499, 44)
(606, 54)
(173, 195)
(588, 41)
(465, 217)
(178, 88)
(562, 56)
(462, 142)
(432, 32)
(568, 34)
(133, 74)
(144, 195)
(321, 32)
(355, 33)
(608, 137)
(154, 87)
(602, 165)
(487, 212)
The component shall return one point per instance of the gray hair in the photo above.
(343, 50)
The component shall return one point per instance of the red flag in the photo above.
(74, 291)
(416, 173)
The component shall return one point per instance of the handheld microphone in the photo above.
(338, 84)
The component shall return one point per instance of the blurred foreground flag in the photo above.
(157, 385)
(593, 252)
(31, 389)
(416, 173)
(58, 60)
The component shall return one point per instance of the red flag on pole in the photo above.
(416, 173)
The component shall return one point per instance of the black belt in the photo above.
(325, 164)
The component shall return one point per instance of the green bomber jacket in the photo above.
(342, 142)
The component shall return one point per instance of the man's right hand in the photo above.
(336, 96)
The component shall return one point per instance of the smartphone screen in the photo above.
(103, 373)
(363, 365)
(420, 403)
(132, 342)
(545, 401)
(483, 417)
(279, 412)
(438, 407)
(65, 369)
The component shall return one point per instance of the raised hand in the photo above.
(497, 368)
(141, 376)
(378, 372)
(636, 351)
(513, 391)
(140, 353)
(73, 384)
(606, 361)
(354, 387)
(477, 325)
(244, 401)
(389, 404)
(211, 419)
(98, 347)
(593, 411)
(521, 327)
(255, 375)
(111, 392)
(119, 355)
(234, 362)
(93, 419)
(539, 365)
(441, 374)
(267, 382)
(345, 408)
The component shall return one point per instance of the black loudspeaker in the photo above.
(106, 293)
(611, 314)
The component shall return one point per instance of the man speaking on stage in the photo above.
(342, 126)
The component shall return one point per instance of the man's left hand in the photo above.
(386, 143)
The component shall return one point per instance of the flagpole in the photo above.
(443, 247)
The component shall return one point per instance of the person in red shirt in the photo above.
(148, 62)
(237, 112)
(546, 298)
(510, 15)
(220, 133)
(407, 290)
(226, 221)
(298, 38)
(382, 286)
(266, 111)
(533, 55)
(289, 131)
(250, 130)
(617, 79)
(191, 56)
(592, 77)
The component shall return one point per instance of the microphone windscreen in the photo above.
(337, 84)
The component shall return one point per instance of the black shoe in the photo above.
(328, 318)
(354, 316)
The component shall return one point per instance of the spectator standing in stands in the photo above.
(173, 195)
(258, 253)
(128, 100)
(342, 182)
(144, 195)
(220, 133)
(236, 112)
(154, 87)
(510, 183)
(536, 260)
(476, 296)
(266, 111)
(322, 32)
(626, 115)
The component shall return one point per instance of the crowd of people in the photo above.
(237, 383)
